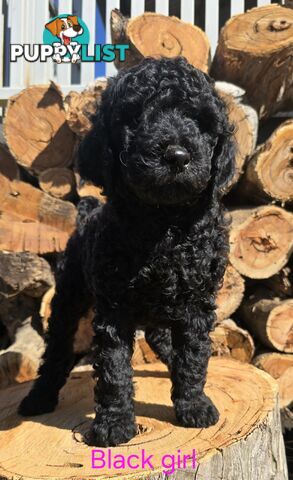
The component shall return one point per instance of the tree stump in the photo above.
(246, 443)
(155, 35)
(255, 51)
(261, 240)
(269, 173)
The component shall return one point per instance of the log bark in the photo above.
(270, 319)
(24, 273)
(19, 362)
(58, 182)
(36, 129)
(281, 283)
(249, 422)
(155, 35)
(255, 52)
(280, 367)
(81, 107)
(230, 295)
(269, 172)
(32, 220)
(245, 120)
(261, 240)
(229, 340)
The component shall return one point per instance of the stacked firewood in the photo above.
(39, 190)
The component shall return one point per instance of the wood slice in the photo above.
(230, 295)
(24, 273)
(229, 340)
(58, 182)
(270, 319)
(81, 107)
(261, 240)
(269, 173)
(156, 35)
(245, 120)
(36, 130)
(255, 52)
(280, 367)
(249, 422)
(31, 220)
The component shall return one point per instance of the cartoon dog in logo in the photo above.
(66, 29)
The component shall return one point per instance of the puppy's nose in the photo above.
(177, 156)
(76, 28)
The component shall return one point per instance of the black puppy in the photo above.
(155, 254)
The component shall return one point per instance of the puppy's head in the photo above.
(65, 28)
(161, 134)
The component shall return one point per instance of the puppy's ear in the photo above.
(53, 27)
(95, 156)
(224, 163)
(73, 19)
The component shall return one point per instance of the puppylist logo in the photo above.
(66, 40)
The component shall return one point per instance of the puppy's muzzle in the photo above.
(177, 157)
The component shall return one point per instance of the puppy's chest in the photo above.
(171, 267)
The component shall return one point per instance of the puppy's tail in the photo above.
(84, 209)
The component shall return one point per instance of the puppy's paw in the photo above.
(111, 433)
(200, 413)
(36, 404)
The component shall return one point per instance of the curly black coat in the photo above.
(155, 254)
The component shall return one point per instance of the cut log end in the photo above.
(280, 367)
(58, 182)
(245, 121)
(229, 340)
(230, 295)
(255, 52)
(270, 319)
(81, 107)
(261, 241)
(42, 139)
(269, 172)
(249, 421)
(156, 35)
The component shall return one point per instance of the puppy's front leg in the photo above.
(115, 420)
(191, 345)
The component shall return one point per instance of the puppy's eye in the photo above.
(62, 26)
(69, 24)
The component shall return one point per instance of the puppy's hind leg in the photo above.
(160, 341)
(70, 302)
